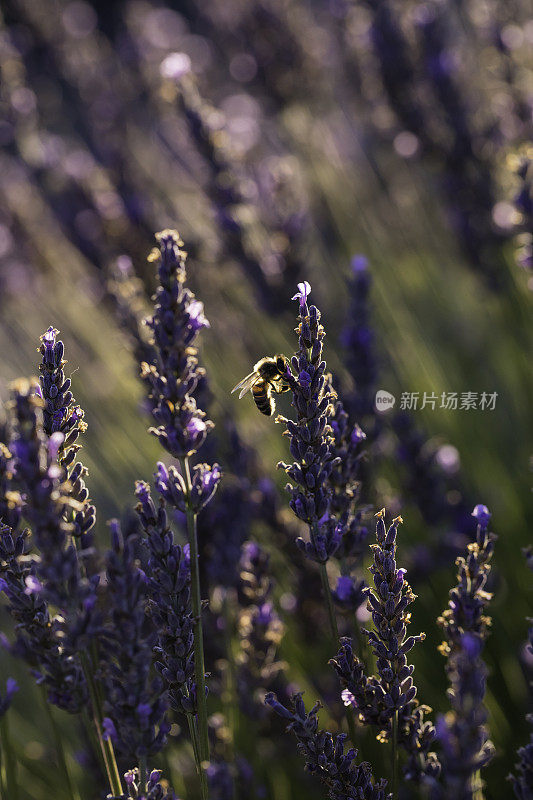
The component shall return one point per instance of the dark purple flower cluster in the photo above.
(357, 338)
(59, 577)
(345, 483)
(260, 631)
(169, 577)
(326, 756)
(463, 736)
(173, 374)
(523, 781)
(378, 699)
(134, 701)
(311, 436)
(63, 422)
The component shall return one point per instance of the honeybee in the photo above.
(266, 378)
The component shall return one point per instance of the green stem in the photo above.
(395, 756)
(231, 685)
(329, 605)
(60, 750)
(477, 786)
(197, 759)
(334, 630)
(9, 762)
(199, 669)
(142, 772)
(106, 746)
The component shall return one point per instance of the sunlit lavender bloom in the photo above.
(466, 748)
(310, 436)
(169, 605)
(326, 757)
(154, 789)
(133, 697)
(63, 423)
(377, 699)
(173, 372)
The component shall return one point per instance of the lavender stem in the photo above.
(106, 746)
(60, 750)
(203, 740)
(395, 755)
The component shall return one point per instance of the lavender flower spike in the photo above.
(466, 748)
(391, 694)
(169, 605)
(173, 376)
(523, 781)
(326, 757)
(311, 435)
(134, 698)
(62, 423)
(174, 373)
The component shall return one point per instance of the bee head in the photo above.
(282, 363)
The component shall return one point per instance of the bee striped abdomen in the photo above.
(262, 395)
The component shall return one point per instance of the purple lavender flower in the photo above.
(153, 789)
(357, 338)
(173, 373)
(463, 736)
(63, 422)
(310, 436)
(182, 429)
(378, 699)
(523, 780)
(169, 604)
(345, 483)
(58, 568)
(349, 593)
(325, 754)
(134, 699)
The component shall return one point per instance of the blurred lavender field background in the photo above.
(379, 150)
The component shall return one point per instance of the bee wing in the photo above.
(245, 385)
